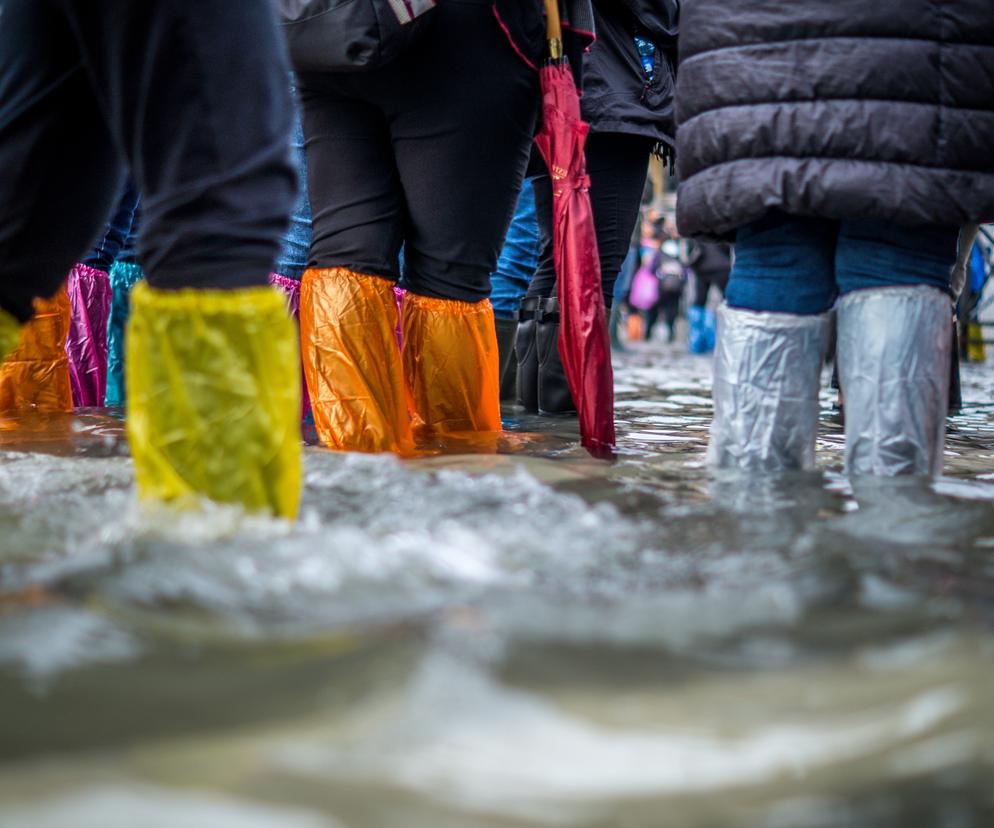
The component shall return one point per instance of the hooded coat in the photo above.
(878, 109)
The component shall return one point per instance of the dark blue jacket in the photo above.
(879, 109)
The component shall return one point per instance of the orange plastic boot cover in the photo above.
(36, 373)
(451, 364)
(348, 333)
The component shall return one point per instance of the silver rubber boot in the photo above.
(767, 371)
(894, 361)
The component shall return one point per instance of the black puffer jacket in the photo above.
(836, 108)
(617, 97)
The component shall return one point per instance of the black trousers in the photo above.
(617, 164)
(427, 154)
(192, 97)
(702, 286)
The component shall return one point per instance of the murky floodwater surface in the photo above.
(520, 638)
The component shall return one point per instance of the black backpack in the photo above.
(351, 35)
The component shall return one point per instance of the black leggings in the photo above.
(427, 153)
(617, 164)
(192, 97)
(702, 286)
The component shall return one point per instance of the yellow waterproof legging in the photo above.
(35, 373)
(213, 393)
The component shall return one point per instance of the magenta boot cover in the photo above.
(89, 300)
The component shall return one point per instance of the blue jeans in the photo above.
(117, 239)
(296, 248)
(518, 258)
(789, 264)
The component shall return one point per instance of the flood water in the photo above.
(499, 640)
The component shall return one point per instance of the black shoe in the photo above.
(507, 332)
(554, 397)
(526, 355)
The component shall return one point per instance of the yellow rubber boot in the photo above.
(348, 331)
(35, 373)
(451, 365)
(213, 393)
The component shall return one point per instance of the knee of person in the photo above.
(446, 283)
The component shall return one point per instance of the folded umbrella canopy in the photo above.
(583, 337)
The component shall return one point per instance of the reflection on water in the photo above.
(509, 634)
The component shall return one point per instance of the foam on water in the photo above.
(572, 639)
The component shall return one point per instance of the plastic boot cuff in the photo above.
(123, 277)
(89, 301)
(290, 289)
(36, 373)
(894, 362)
(451, 365)
(10, 334)
(767, 371)
(348, 328)
(214, 397)
(526, 353)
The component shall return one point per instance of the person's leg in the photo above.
(295, 252)
(543, 283)
(348, 313)
(541, 287)
(700, 321)
(509, 283)
(294, 255)
(770, 345)
(671, 310)
(784, 264)
(116, 233)
(60, 175)
(652, 317)
(894, 344)
(617, 165)
(124, 275)
(702, 286)
(86, 345)
(91, 299)
(463, 107)
(201, 109)
(203, 113)
(518, 257)
(621, 288)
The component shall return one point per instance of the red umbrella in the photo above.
(583, 338)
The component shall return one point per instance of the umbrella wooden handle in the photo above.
(553, 29)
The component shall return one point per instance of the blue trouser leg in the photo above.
(784, 264)
(292, 261)
(875, 254)
(518, 258)
(119, 230)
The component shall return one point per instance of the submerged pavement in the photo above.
(503, 635)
